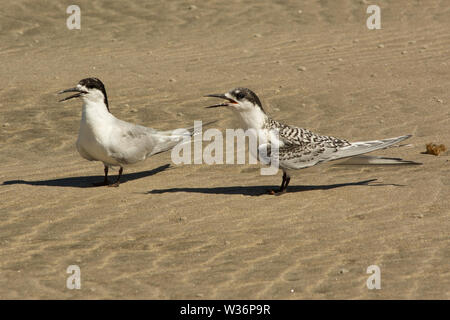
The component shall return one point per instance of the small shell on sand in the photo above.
(435, 149)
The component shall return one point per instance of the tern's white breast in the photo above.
(94, 135)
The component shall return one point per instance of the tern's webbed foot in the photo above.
(278, 192)
(283, 187)
(115, 184)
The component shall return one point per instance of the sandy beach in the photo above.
(205, 231)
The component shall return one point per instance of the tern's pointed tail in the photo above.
(357, 148)
(375, 160)
(169, 139)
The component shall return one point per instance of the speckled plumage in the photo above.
(297, 147)
(302, 145)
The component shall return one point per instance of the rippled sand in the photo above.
(199, 231)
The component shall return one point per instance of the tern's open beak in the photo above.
(78, 93)
(221, 96)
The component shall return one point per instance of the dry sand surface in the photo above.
(200, 231)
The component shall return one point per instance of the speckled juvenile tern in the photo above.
(298, 148)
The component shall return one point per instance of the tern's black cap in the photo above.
(244, 93)
(95, 83)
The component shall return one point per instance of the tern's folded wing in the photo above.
(297, 157)
(133, 143)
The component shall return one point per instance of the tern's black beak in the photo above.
(221, 96)
(79, 92)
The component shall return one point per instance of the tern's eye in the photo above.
(240, 95)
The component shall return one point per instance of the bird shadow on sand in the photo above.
(88, 181)
(263, 190)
